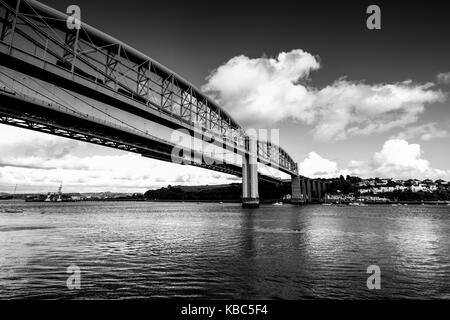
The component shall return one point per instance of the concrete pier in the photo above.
(304, 191)
(314, 189)
(308, 190)
(250, 196)
(296, 190)
(319, 190)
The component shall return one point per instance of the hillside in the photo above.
(228, 192)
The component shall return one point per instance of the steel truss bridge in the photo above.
(83, 84)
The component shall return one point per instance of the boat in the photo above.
(50, 197)
(13, 211)
(326, 204)
(357, 204)
(394, 205)
(277, 204)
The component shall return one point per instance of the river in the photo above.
(221, 251)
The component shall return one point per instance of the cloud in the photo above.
(443, 78)
(424, 132)
(27, 143)
(351, 108)
(265, 91)
(35, 150)
(317, 167)
(398, 159)
(254, 89)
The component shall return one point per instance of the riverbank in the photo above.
(418, 203)
(270, 201)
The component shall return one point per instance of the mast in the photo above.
(59, 193)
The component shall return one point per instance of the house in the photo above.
(419, 187)
(383, 189)
(401, 188)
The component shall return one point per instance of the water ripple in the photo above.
(173, 250)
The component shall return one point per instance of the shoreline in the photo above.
(266, 202)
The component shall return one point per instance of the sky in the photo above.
(346, 99)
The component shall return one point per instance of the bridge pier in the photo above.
(308, 189)
(250, 196)
(315, 190)
(324, 189)
(304, 191)
(319, 190)
(296, 190)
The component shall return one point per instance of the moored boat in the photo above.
(12, 211)
(357, 204)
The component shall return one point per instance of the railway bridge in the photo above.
(83, 84)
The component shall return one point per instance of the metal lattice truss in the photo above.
(269, 154)
(37, 34)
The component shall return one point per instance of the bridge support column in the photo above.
(296, 190)
(250, 196)
(304, 191)
(319, 190)
(309, 189)
(314, 189)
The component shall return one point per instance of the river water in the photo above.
(212, 250)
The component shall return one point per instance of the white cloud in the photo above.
(27, 143)
(350, 108)
(315, 166)
(424, 132)
(254, 89)
(265, 91)
(443, 77)
(398, 159)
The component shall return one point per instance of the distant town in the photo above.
(353, 188)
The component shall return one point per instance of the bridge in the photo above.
(83, 84)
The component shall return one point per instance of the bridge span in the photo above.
(83, 84)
